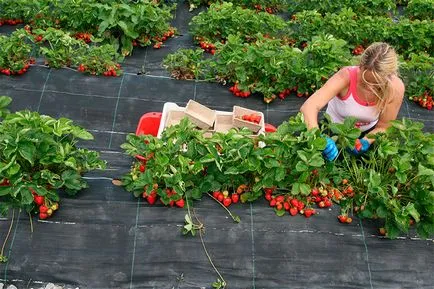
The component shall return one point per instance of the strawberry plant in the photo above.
(419, 40)
(394, 181)
(62, 49)
(15, 53)
(123, 23)
(418, 76)
(39, 155)
(186, 64)
(361, 7)
(99, 60)
(222, 20)
(78, 15)
(420, 9)
(269, 6)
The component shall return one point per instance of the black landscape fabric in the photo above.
(105, 238)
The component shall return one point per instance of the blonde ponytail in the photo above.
(382, 61)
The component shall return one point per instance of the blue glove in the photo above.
(330, 152)
(361, 146)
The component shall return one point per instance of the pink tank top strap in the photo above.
(353, 82)
(353, 70)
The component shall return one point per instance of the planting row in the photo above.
(393, 181)
(263, 62)
(39, 156)
(123, 24)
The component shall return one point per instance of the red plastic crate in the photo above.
(149, 124)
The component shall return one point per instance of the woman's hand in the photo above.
(361, 146)
(330, 152)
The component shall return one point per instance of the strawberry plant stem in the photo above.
(2, 258)
(234, 217)
(31, 223)
(207, 254)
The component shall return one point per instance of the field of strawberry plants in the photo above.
(248, 65)
(70, 33)
(86, 202)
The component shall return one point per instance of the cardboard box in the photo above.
(174, 117)
(200, 115)
(237, 120)
(223, 122)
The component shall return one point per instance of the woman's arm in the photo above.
(391, 108)
(311, 107)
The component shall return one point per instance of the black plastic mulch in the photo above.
(106, 238)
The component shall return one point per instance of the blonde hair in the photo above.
(382, 61)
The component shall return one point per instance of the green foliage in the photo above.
(62, 49)
(221, 20)
(394, 181)
(361, 7)
(420, 9)
(405, 35)
(121, 23)
(39, 153)
(267, 66)
(186, 64)
(418, 74)
(15, 50)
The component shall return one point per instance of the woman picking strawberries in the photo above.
(372, 92)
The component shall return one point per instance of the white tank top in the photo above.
(351, 105)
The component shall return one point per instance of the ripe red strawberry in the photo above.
(43, 216)
(358, 145)
(220, 197)
(294, 202)
(315, 192)
(39, 200)
(327, 203)
(180, 203)
(269, 190)
(151, 199)
(287, 206)
(293, 211)
(273, 203)
(300, 205)
(308, 212)
(280, 199)
(342, 218)
(142, 168)
(279, 206)
(235, 198)
(43, 209)
(227, 202)
(268, 197)
(215, 194)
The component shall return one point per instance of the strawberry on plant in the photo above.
(151, 199)
(293, 211)
(220, 197)
(227, 202)
(43, 216)
(235, 198)
(39, 200)
(309, 212)
(43, 209)
(180, 203)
